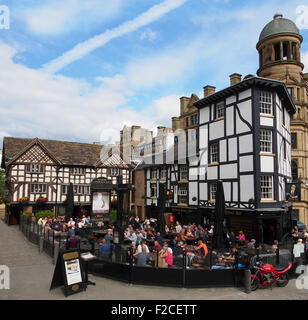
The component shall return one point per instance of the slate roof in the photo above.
(277, 26)
(66, 152)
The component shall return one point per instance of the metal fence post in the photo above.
(277, 256)
(184, 269)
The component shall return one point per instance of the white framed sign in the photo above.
(73, 273)
(101, 202)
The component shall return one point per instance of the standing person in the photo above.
(108, 237)
(162, 258)
(298, 250)
(275, 246)
(143, 258)
(142, 246)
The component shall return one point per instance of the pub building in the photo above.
(38, 169)
(243, 140)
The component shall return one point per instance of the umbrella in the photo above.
(161, 208)
(69, 203)
(220, 215)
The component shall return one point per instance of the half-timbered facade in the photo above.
(45, 168)
(244, 140)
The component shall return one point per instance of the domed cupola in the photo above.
(279, 48)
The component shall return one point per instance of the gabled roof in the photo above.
(63, 152)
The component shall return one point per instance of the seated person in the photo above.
(73, 242)
(159, 239)
(201, 249)
(157, 246)
(252, 244)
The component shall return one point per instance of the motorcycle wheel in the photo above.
(283, 280)
(254, 284)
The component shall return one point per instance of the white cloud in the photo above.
(302, 17)
(61, 17)
(34, 104)
(82, 49)
(148, 34)
(305, 60)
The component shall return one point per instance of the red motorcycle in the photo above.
(266, 275)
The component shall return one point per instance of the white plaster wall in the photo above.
(223, 150)
(245, 94)
(203, 191)
(212, 173)
(232, 149)
(267, 163)
(247, 187)
(193, 192)
(230, 120)
(217, 129)
(228, 171)
(246, 143)
(246, 163)
(204, 115)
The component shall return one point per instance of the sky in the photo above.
(79, 70)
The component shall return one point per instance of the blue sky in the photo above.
(80, 70)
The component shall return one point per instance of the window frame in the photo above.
(181, 172)
(44, 188)
(220, 110)
(29, 168)
(211, 154)
(263, 147)
(213, 190)
(266, 102)
(270, 186)
(183, 194)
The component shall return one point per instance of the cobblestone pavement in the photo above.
(31, 274)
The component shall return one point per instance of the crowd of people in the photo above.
(147, 246)
(194, 241)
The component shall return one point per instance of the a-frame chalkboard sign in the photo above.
(69, 273)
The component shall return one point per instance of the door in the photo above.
(269, 231)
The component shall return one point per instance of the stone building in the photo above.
(279, 48)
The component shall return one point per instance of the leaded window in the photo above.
(266, 183)
(266, 102)
(266, 141)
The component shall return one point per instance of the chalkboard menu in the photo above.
(69, 273)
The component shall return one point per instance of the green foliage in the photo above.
(43, 214)
(113, 215)
(132, 212)
(27, 214)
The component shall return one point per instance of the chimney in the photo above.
(235, 78)
(184, 104)
(208, 90)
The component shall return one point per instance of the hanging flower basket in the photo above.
(23, 200)
(41, 199)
